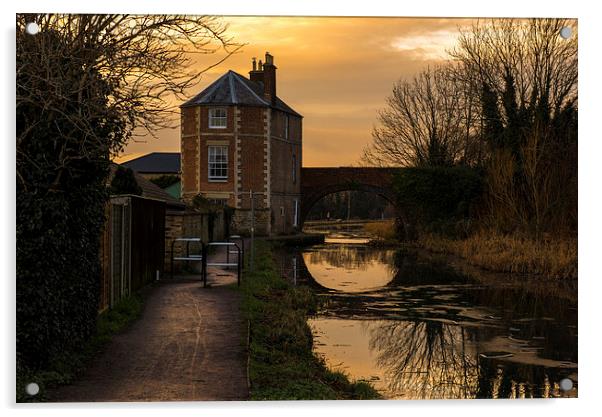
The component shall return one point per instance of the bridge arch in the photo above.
(316, 183)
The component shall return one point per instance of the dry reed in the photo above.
(554, 258)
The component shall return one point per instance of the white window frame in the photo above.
(217, 158)
(296, 217)
(218, 121)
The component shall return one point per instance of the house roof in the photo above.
(235, 89)
(156, 162)
(150, 190)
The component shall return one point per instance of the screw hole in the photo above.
(566, 384)
(566, 32)
(32, 389)
(32, 28)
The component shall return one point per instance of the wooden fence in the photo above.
(133, 247)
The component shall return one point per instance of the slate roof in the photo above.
(156, 162)
(235, 89)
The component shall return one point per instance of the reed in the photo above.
(553, 258)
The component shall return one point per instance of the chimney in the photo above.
(269, 78)
(255, 74)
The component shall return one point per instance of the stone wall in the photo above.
(191, 223)
(242, 221)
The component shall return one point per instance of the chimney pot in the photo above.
(269, 59)
(256, 74)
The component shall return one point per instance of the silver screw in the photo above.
(566, 32)
(32, 28)
(566, 384)
(32, 388)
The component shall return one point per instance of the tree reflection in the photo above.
(350, 257)
(425, 359)
(436, 360)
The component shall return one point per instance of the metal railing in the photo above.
(202, 257)
(242, 248)
(189, 257)
(237, 264)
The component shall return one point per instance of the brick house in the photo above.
(238, 137)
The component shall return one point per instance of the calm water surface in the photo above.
(420, 330)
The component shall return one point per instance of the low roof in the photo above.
(156, 162)
(235, 89)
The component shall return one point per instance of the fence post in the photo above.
(204, 263)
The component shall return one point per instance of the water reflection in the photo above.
(350, 268)
(420, 330)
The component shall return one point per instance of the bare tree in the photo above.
(423, 124)
(542, 64)
(131, 66)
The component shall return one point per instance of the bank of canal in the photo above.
(282, 364)
(416, 329)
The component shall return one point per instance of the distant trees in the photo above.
(506, 101)
(356, 204)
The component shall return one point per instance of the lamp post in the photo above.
(252, 198)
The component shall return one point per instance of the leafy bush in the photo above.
(60, 199)
(124, 182)
(66, 366)
(440, 199)
(165, 181)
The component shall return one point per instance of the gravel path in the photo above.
(188, 345)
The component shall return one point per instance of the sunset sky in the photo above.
(336, 72)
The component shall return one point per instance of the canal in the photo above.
(417, 329)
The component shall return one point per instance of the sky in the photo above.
(336, 72)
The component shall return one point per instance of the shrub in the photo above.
(165, 181)
(60, 199)
(440, 199)
(124, 182)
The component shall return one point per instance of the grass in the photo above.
(64, 369)
(282, 364)
(553, 258)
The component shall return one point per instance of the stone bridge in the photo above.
(317, 183)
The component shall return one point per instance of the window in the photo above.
(218, 118)
(218, 163)
(296, 217)
(286, 126)
(282, 211)
(294, 172)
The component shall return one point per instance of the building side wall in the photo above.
(285, 185)
(253, 157)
